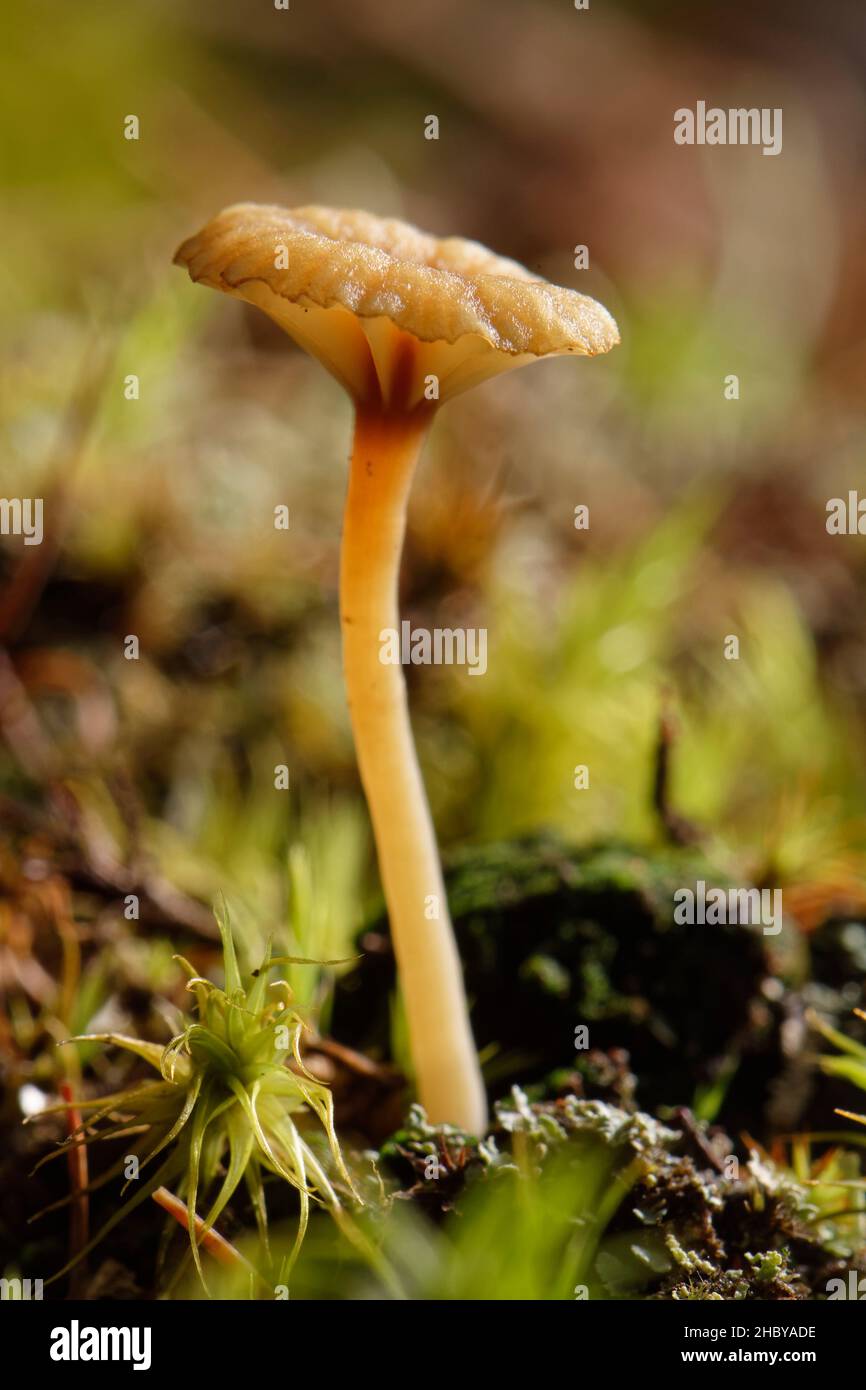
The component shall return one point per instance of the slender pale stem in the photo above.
(446, 1065)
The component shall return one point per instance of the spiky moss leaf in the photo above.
(230, 960)
(847, 1067)
(841, 1040)
(150, 1052)
(164, 1176)
(198, 1124)
(851, 1066)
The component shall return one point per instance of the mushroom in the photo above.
(404, 322)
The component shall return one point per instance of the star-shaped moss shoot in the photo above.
(404, 322)
(231, 1087)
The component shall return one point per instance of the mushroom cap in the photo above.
(385, 306)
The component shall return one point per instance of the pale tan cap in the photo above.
(384, 306)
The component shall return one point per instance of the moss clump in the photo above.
(432, 1164)
(553, 938)
(642, 1209)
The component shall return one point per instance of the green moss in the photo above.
(554, 938)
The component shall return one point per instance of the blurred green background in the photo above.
(707, 515)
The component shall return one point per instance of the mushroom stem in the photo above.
(447, 1074)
